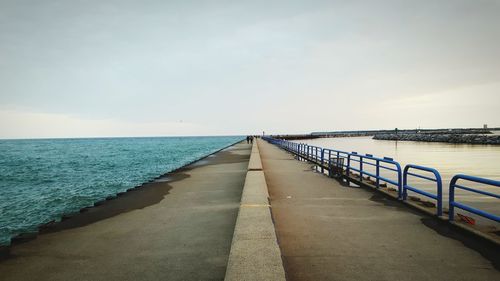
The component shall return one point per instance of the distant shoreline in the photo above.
(448, 138)
(361, 133)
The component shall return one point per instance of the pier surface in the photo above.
(185, 235)
(327, 231)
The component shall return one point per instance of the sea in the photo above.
(42, 179)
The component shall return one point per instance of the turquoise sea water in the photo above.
(42, 179)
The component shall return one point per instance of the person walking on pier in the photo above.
(248, 139)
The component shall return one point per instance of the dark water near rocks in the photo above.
(42, 179)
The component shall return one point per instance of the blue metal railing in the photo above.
(330, 154)
(386, 164)
(358, 163)
(437, 179)
(454, 204)
(322, 157)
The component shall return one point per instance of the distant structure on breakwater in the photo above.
(461, 135)
(450, 138)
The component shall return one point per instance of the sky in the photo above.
(104, 68)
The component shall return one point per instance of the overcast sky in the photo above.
(150, 68)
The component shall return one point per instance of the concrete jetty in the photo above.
(185, 235)
(332, 232)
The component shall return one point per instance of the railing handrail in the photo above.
(377, 176)
(370, 156)
(437, 179)
(453, 204)
(334, 150)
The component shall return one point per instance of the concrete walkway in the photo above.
(330, 232)
(185, 236)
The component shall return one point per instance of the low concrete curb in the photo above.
(255, 163)
(255, 254)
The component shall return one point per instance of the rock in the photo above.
(414, 198)
(428, 204)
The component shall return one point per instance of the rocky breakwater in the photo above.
(449, 138)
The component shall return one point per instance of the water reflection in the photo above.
(449, 159)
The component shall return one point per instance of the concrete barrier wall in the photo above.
(255, 254)
(255, 164)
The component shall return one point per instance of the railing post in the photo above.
(338, 162)
(451, 199)
(378, 173)
(361, 168)
(329, 162)
(348, 170)
(322, 160)
(330, 167)
(405, 183)
(439, 195)
(399, 181)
